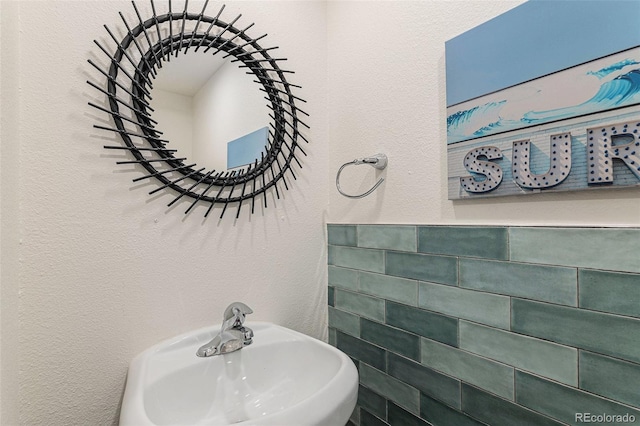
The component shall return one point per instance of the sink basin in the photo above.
(283, 378)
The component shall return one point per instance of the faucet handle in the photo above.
(236, 311)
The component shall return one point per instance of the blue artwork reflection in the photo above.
(246, 149)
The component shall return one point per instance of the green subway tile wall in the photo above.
(482, 325)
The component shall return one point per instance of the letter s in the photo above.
(491, 171)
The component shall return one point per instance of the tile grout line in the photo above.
(578, 350)
(510, 297)
(577, 287)
(461, 385)
(509, 243)
(515, 388)
(511, 313)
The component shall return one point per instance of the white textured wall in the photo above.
(105, 270)
(387, 94)
(227, 107)
(174, 112)
(9, 216)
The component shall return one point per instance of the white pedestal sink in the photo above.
(283, 378)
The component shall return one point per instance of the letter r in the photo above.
(601, 150)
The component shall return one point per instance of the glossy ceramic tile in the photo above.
(399, 416)
(361, 350)
(330, 298)
(392, 339)
(438, 414)
(360, 304)
(427, 380)
(343, 278)
(490, 309)
(342, 235)
(563, 402)
(344, 321)
(499, 412)
(610, 377)
(372, 402)
(597, 248)
(614, 292)
(368, 419)
(390, 237)
(393, 389)
(332, 337)
(546, 283)
(598, 332)
(476, 241)
(547, 321)
(424, 323)
(390, 288)
(357, 258)
(439, 269)
(355, 417)
(525, 353)
(484, 373)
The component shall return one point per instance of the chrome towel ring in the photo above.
(378, 161)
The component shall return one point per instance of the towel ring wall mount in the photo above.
(378, 161)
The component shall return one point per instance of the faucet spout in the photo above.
(233, 335)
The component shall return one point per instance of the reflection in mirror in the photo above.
(211, 111)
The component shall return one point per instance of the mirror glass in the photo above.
(210, 110)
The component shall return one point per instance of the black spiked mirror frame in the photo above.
(137, 59)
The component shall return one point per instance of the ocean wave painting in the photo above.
(604, 84)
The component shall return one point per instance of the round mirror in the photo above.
(235, 134)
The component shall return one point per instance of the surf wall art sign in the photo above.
(545, 97)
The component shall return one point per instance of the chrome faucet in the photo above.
(233, 334)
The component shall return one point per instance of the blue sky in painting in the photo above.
(534, 39)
